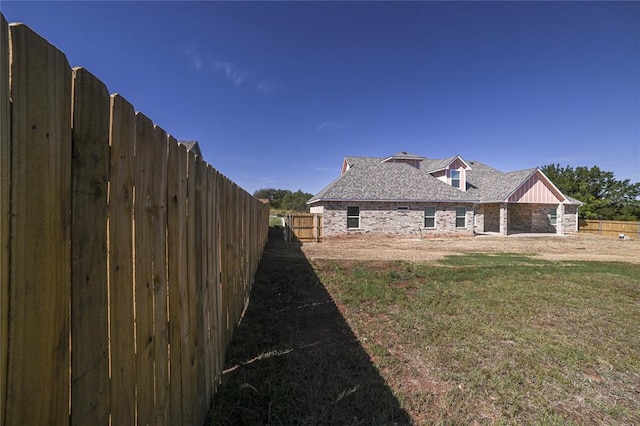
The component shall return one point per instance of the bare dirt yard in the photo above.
(377, 247)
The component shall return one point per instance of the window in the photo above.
(403, 208)
(430, 217)
(455, 178)
(353, 217)
(553, 216)
(461, 217)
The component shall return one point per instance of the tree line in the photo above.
(283, 199)
(604, 196)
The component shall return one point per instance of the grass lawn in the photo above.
(499, 338)
(276, 221)
(478, 338)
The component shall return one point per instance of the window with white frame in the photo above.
(430, 217)
(455, 178)
(353, 217)
(553, 216)
(461, 217)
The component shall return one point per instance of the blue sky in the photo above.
(277, 93)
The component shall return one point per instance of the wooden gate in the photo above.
(303, 227)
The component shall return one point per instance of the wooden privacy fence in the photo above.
(303, 227)
(610, 228)
(125, 261)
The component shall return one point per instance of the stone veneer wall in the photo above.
(385, 218)
(541, 218)
(488, 218)
(570, 219)
(531, 218)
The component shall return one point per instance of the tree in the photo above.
(604, 196)
(275, 196)
(285, 199)
(296, 201)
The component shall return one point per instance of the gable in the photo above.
(445, 174)
(536, 189)
(458, 163)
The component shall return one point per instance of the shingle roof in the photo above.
(192, 146)
(408, 155)
(373, 179)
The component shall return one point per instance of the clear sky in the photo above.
(277, 93)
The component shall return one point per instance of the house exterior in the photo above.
(410, 194)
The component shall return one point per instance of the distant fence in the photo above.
(303, 227)
(610, 228)
(125, 261)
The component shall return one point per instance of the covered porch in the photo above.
(520, 218)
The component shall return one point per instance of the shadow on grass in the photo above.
(294, 359)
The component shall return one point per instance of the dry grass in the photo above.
(571, 247)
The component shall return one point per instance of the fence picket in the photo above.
(145, 215)
(121, 279)
(39, 288)
(5, 185)
(160, 321)
(89, 293)
(200, 303)
(177, 260)
(191, 388)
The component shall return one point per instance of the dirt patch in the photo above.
(582, 247)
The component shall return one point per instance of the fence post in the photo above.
(600, 227)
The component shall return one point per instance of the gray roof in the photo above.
(192, 146)
(373, 179)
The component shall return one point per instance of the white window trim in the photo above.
(451, 172)
(465, 217)
(435, 214)
(352, 217)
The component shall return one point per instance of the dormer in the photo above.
(452, 171)
(406, 158)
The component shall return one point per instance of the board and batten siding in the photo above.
(535, 190)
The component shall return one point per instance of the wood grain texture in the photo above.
(121, 278)
(145, 213)
(5, 190)
(192, 367)
(202, 401)
(39, 289)
(89, 292)
(159, 262)
(177, 264)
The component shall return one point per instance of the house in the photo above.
(192, 146)
(410, 194)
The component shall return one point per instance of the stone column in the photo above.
(560, 219)
(503, 219)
